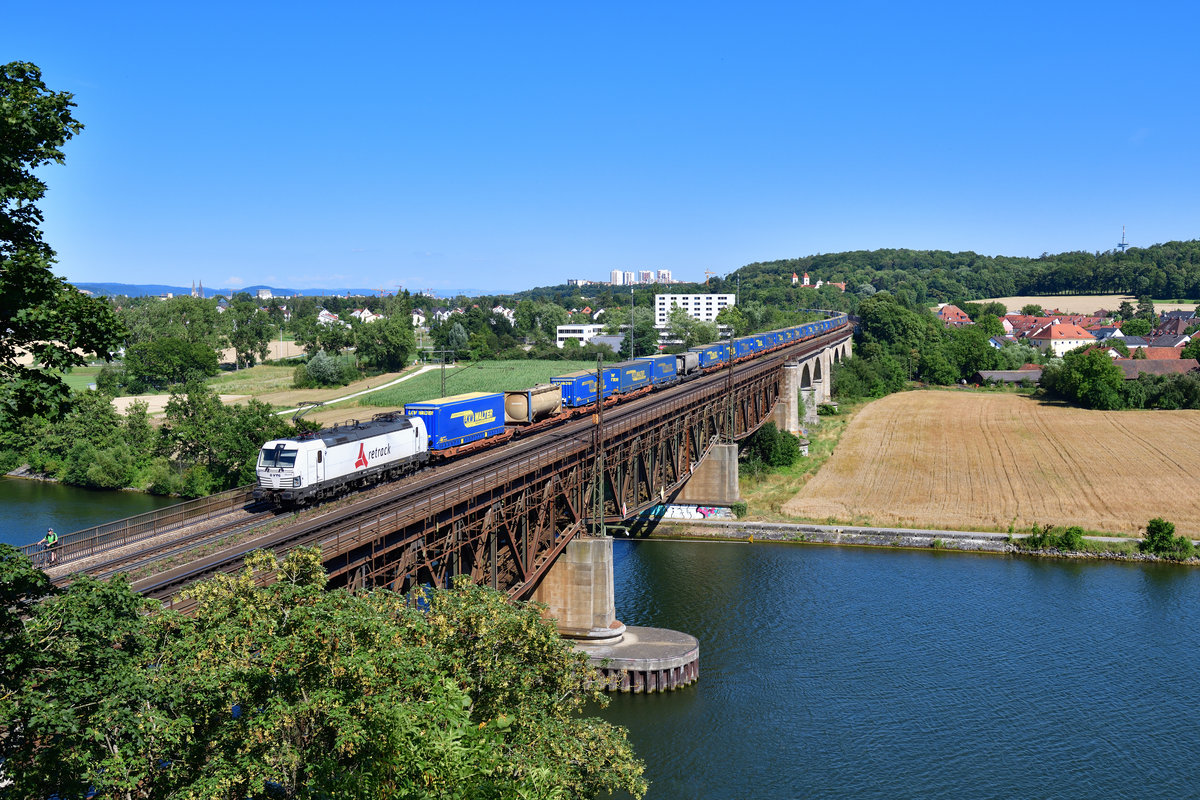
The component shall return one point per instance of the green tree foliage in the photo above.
(1033, 310)
(1160, 539)
(1145, 309)
(156, 364)
(645, 336)
(689, 331)
(215, 446)
(1088, 377)
(190, 319)
(39, 313)
(768, 447)
(732, 319)
(1137, 327)
(388, 344)
(288, 690)
(251, 331)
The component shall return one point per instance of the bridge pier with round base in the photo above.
(646, 660)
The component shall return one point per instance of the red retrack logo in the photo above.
(362, 458)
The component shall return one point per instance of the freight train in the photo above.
(330, 462)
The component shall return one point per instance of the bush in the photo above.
(300, 378)
(739, 509)
(771, 446)
(327, 371)
(161, 479)
(1160, 540)
(197, 482)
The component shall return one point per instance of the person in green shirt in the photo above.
(50, 543)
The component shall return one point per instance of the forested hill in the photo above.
(1170, 270)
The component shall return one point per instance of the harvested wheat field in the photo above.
(959, 460)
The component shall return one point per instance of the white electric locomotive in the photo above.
(333, 460)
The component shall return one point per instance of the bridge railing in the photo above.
(109, 535)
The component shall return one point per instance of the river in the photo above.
(28, 507)
(874, 673)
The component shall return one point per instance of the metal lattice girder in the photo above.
(506, 514)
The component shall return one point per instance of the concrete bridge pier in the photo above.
(579, 593)
(808, 397)
(787, 408)
(715, 481)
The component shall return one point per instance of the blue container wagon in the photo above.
(662, 369)
(460, 419)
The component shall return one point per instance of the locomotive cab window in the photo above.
(277, 456)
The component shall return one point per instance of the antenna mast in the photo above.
(1122, 244)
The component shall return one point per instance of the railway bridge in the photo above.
(503, 516)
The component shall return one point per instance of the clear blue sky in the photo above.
(506, 145)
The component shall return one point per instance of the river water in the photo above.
(875, 673)
(28, 507)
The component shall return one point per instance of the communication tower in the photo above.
(1121, 245)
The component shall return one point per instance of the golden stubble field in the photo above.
(960, 460)
(1081, 303)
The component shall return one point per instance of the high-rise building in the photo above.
(646, 276)
(664, 276)
(616, 277)
(629, 281)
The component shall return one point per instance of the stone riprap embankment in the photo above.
(834, 534)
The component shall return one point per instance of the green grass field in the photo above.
(483, 376)
(80, 378)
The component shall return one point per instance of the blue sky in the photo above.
(501, 146)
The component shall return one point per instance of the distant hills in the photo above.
(155, 289)
(143, 289)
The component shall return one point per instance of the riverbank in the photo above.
(861, 536)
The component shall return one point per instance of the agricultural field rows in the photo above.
(959, 460)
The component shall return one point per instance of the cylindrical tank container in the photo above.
(527, 406)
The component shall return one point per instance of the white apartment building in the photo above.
(703, 307)
(616, 275)
(664, 276)
(580, 332)
(629, 278)
(646, 276)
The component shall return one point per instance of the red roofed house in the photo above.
(952, 315)
(1163, 353)
(1060, 337)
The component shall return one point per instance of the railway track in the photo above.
(328, 522)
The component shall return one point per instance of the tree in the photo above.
(252, 332)
(160, 363)
(1087, 377)
(1136, 327)
(644, 341)
(39, 313)
(1145, 309)
(1125, 310)
(687, 330)
(277, 687)
(388, 344)
(1032, 310)
(732, 318)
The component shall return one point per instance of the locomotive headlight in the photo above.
(296, 481)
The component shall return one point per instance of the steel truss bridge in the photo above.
(504, 515)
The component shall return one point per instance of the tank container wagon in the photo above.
(334, 460)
